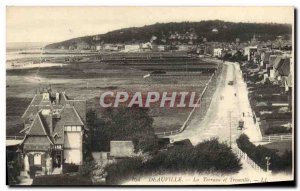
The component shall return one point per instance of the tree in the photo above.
(97, 136)
(243, 31)
(13, 171)
(122, 123)
(259, 153)
(206, 156)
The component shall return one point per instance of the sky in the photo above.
(53, 24)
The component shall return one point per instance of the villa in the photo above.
(54, 126)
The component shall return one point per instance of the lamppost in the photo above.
(229, 115)
(268, 163)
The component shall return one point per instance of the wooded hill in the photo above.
(185, 32)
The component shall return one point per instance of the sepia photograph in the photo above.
(150, 96)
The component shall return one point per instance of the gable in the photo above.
(37, 127)
(284, 68)
(36, 143)
(277, 62)
(32, 108)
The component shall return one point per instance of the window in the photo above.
(72, 128)
(37, 159)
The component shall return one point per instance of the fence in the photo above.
(14, 137)
(244, 156)
(187, 121)
(168, 133)
(277, 138)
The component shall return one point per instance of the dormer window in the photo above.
(55, 136)
(31, 118)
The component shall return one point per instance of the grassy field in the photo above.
(14, 109)
(87, 80)
(280, 147)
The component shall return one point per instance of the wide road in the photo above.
(226, 109)
(221, 121)
(229, 104)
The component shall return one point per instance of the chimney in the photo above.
(57, 98)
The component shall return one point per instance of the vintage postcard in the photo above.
(150, 96)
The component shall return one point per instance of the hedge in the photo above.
(278, 130)
(208, 156)
(62, 179)
(259, 153)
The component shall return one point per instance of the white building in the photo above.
(132, 48)
(98, 47)
(250, 51)
(217, 52)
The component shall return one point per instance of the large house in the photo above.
(250, 51)
(132, 48)
(54, 126)
(217, 52)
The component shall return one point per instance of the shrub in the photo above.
(218, 156)
(207, 156)
(283, 110)
(61, 179)
(259, 153)
(122, 123)
(69, 168)
(13, 171)
(86, 168)
(98, 171)
(277, 130)
(123, 170)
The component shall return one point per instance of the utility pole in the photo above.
(268, 163)
(229, 113)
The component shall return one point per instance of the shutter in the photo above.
(31, 159)
(43, 158)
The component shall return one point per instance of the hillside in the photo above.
(184, 32)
